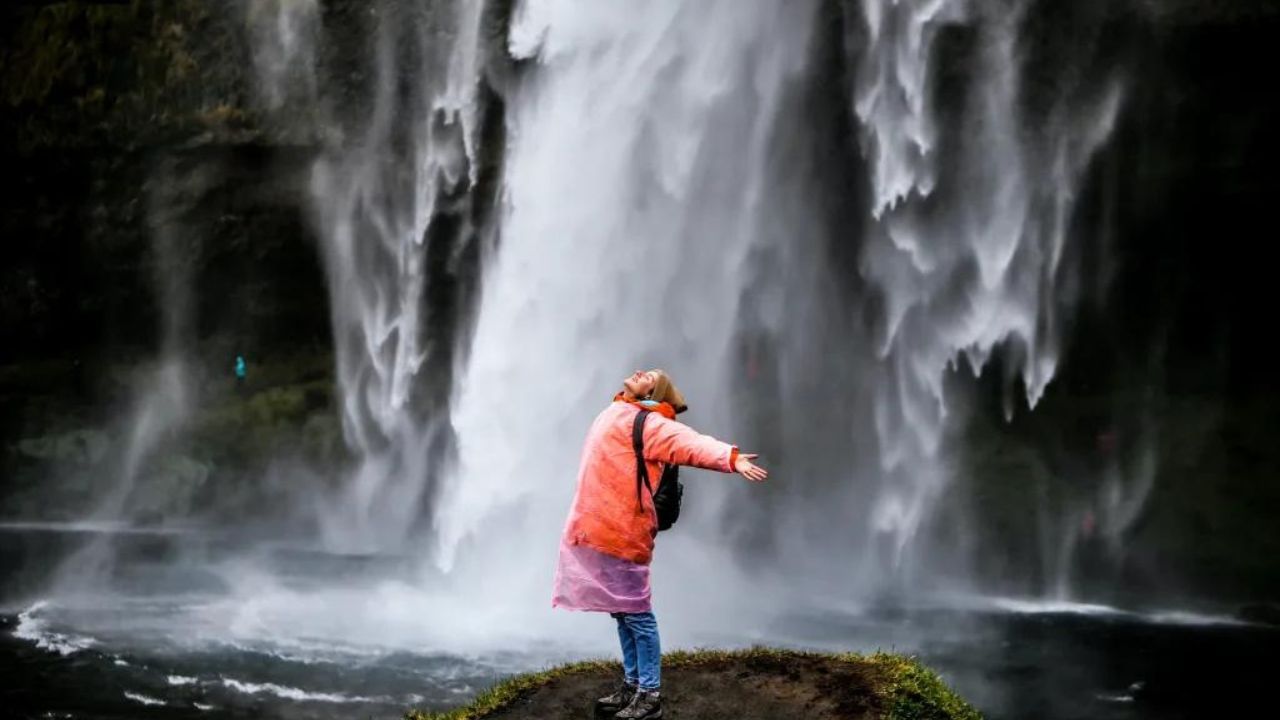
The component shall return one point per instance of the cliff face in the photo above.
(105, 106)
(134, 160)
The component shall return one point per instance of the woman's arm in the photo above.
(675, 443)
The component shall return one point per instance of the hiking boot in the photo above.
(618, 700)
(646, 705)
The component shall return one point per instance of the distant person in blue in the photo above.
(241, 370)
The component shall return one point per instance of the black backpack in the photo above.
(666, 500)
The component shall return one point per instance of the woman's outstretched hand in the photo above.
(748, 469)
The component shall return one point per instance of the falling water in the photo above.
(163, 395)
(967, 255)
(374, 214)
(646, 194)
(636, 185)
(375, 196)
(283, 36)
(663, 203)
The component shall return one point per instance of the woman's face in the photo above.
(641, 383)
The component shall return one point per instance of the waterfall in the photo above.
(375, 196)
(635, 186)
(631, 233)
(678, 190)
(375, 201)
(965, 246)
(163, 394)
(283, 35)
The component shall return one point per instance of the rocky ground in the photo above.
(757, 684)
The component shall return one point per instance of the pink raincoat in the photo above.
(608, 539)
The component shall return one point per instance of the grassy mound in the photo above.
(744, 685)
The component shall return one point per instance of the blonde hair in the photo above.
(664, 390)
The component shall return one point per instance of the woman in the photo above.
(608, 539)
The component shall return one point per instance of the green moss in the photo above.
(905, 688)
(913, 692)
(243, 431)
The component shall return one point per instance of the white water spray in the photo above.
(617, 194)
(650, 195)
(635, 185)
(163, 396)
(970, 266)
(283, 35)
(374, 197)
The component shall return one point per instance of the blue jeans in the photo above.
(641, 651)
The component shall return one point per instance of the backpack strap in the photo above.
(637, 443)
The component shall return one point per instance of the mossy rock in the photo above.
(84, 446)
(750, 684)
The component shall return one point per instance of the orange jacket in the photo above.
(605, 515)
